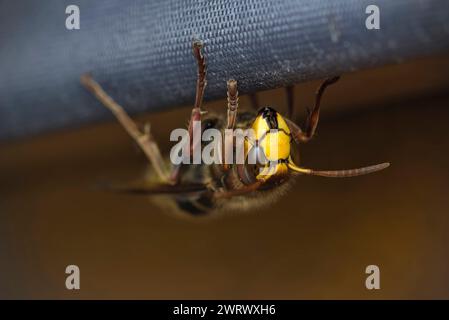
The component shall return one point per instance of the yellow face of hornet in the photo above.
(273, 139)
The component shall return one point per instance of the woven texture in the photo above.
(140, 51)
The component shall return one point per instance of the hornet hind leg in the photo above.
(313, 117)
(144, 138)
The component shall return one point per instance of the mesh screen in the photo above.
(140, 51)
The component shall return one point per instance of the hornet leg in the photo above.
(233, 103)
(313, 117)
(144, 139)
(201, 83)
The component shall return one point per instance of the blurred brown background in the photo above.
(315, 243)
